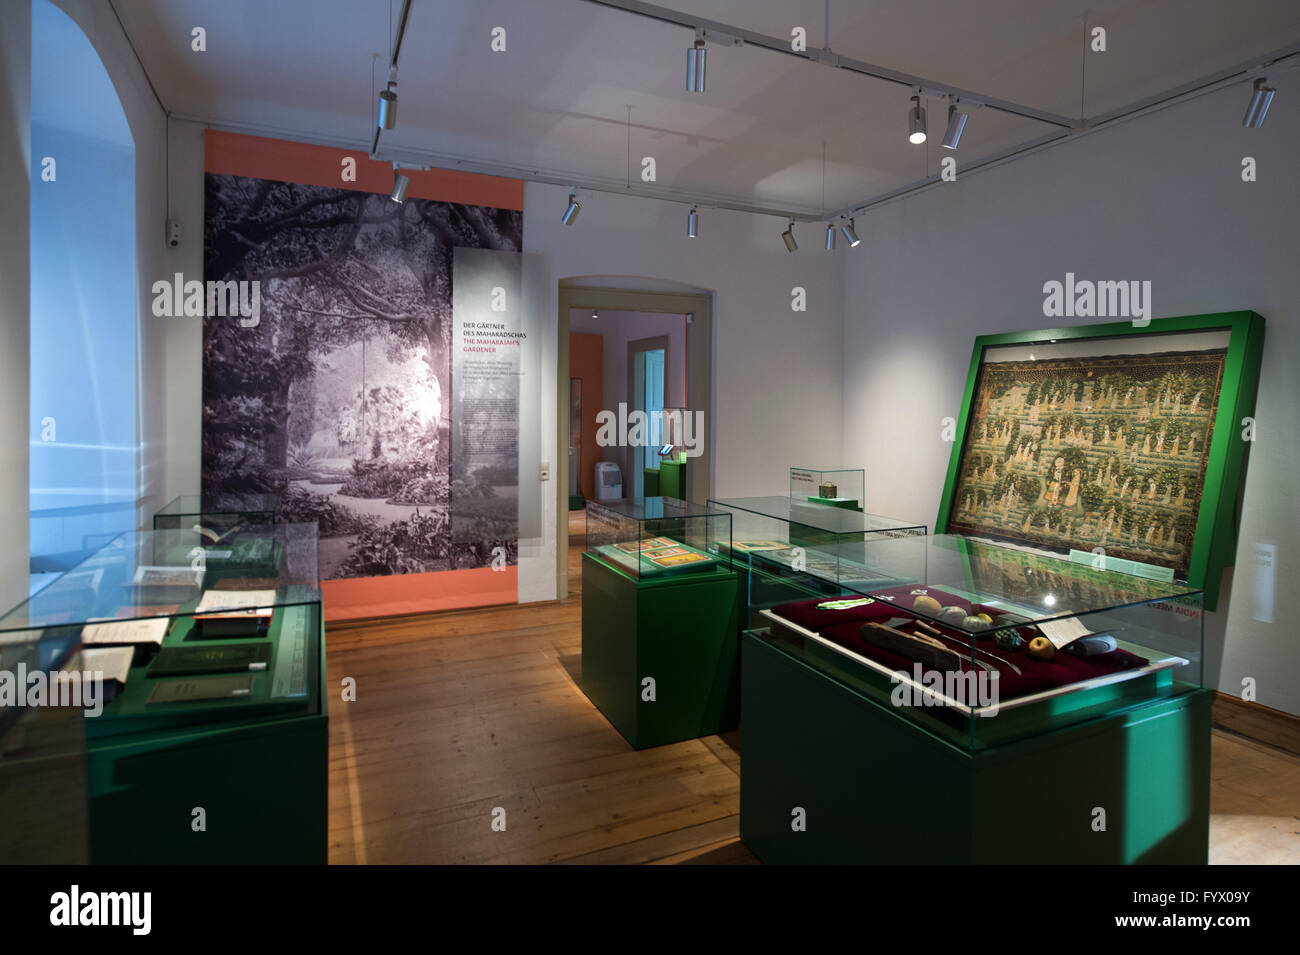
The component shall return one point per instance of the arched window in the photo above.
(84, 421)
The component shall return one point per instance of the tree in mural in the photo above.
(340, 272)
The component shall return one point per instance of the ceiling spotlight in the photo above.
(692, 224)
(788, 237)
(830, 237)
(400, 185)
(956, 126)
(595, 314)
(1261, 98)
(916, 121)
(696, 59)
(851, 234)
(571, 213)
(388, 107)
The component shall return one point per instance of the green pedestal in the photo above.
(672, 479)
(847, 503)
(678, 631)
(650, 482)
(261, 777)
(876, 788)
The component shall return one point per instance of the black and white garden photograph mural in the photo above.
(339, 396)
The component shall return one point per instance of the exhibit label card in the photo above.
(203, 688)
(220, 601)
(1061, 632)
(148, 630)
(113, 662)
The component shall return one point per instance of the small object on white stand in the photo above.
(609, 481)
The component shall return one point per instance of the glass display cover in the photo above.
(656, 537)
(217, 512)
(984, 643)
(184, 629)
(782, 535)
(838, 487)
(42, 755)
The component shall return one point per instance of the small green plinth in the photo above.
(678, 631)
(876, 788)
(848, 503)
(672, 479)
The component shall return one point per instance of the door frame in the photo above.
(698, 307)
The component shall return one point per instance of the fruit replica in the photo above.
(954, 615)
(927, 605)
(1040, 648)
(1009, 640)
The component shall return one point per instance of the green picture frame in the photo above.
(1214, 546)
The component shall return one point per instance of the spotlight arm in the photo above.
(722, 33)
(402, 19)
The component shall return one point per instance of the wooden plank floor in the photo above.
(458, 714)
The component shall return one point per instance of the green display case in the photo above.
(209, 743)
(834, 487)
(658, 536)
(218, 513)
(42, 755)
(1001, 750)
(659, 651)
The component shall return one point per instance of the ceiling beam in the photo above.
(933, 88)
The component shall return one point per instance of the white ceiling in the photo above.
(556, 101)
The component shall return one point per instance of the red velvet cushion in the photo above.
(844, 627)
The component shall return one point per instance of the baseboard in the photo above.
(1258, 722)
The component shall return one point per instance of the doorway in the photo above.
(648, 384)
(649, 351)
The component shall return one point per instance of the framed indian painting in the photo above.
(1121, 440)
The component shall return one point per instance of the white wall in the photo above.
(776, 377)
(15, 166)
(182, 343)
(776, 371)
(1159, 198)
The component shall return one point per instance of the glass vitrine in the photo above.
(982, 644)
(836, 487)
(656, 537)
(795, 545)
(218, 514)
(42, 752)
(174, 628)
